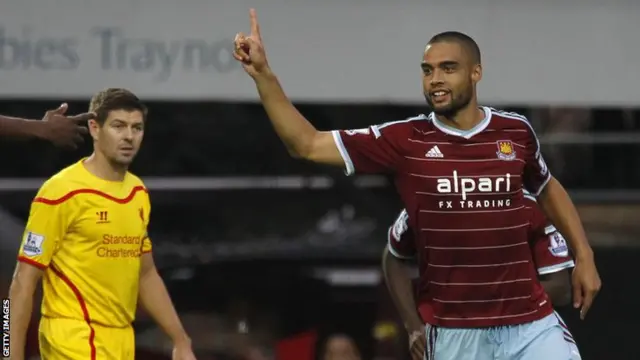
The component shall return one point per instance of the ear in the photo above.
(94, 129)
(476, 73)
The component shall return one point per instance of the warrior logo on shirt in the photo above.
(103, 217)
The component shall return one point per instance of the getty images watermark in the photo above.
(6, 314)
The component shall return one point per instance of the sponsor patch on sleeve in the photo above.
(33, 244)
(558, 245)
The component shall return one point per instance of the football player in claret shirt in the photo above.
(460, 172)
(550, 256)
(86, 237)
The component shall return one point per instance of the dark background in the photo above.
(244, 234)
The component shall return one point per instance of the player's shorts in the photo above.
(544, 339)
(69, 339)
(569, 338)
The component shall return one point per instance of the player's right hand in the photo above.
(249, 50)
(417, 344)
(62, 130)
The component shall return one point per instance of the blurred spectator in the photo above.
(571, 163)
(298, 347)
(610, 160)
(340, 347)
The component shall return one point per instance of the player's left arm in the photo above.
(554, 262)
(559, 208)
(550, 255)
(401, 247)
(155, 300)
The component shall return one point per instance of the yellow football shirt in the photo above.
(88, 235)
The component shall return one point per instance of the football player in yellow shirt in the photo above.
(86, 237)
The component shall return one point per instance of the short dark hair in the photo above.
(463, 40)
(115, 99)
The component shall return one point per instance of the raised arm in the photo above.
(370, 150)
(20, 128)
(300, 137)
(55, 126)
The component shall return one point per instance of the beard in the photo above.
(458, 102)
(121, 162)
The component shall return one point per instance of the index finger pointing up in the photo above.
(255, 27)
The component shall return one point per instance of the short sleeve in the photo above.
(377, 149)
(146, 246)
(401, 242)
(549, 248)
(536, 174)
(47, 225)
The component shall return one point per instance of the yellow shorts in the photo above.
(68, 339)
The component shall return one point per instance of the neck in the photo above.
(100, 166)
(464, 119)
